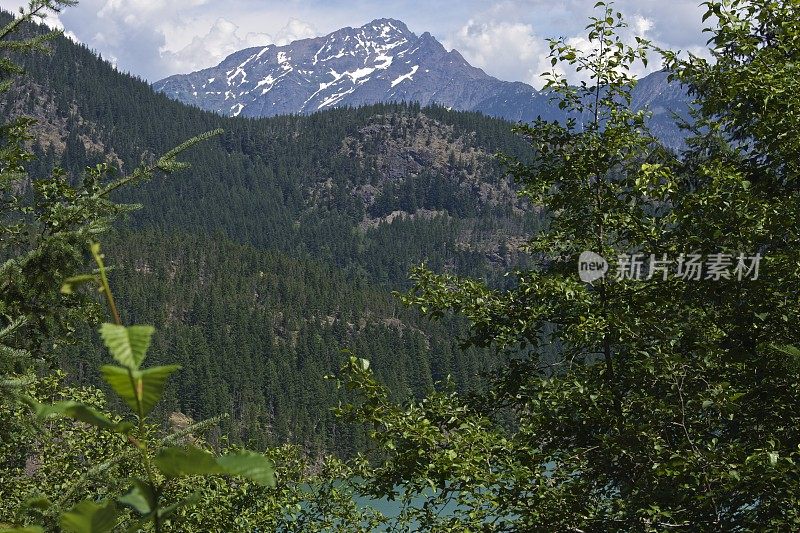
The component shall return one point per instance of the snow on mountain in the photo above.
(382, 61)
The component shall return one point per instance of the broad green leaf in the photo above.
(188, 461)
(153, 381)
(250, 465)
(90, 517)
(121, 380)
(128, 345)
(140, 389)
(191, 461)
(77, 411)
(139, 497)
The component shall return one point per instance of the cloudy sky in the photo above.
(506, 38)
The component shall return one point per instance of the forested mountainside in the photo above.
(256, 331)
(280, 246)
(325, 184)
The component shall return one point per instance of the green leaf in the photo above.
(140, 389)
(192, 461)
(773, 458)
(90, 517)
(250, 465)
(153, 381)
(139, 497)
(26, 529)
(70, 283)
(38, 502)
(360, 363)
(128, 345)
(121, 380)
(188, 461)
(77, 411)
(788, 350)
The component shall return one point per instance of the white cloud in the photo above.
(224, 38)
(638, 26)
(52, 20)
(641, 25)
(514, 51)
(156, 38)
(221, 40)
(509, 42)
(507, 50)
(294, 30)
(134, 9)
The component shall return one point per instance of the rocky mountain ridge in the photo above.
(383, 61)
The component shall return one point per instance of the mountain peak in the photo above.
(381, 61)
(389, 24)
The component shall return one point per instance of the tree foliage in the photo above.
(624, 404)
(667, 406)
